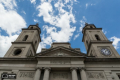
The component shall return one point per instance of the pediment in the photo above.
(61, 51)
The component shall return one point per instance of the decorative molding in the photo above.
(102, 59)
(96, 75)
(54, 61)
(82, 68)
(26, 74)
(47, 68)
(60, 75)
(73, 68)
(38, 68)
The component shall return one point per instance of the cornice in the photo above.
(102, 59)
(17, 59)
(60, 56)
(86, 59)
(60, 43)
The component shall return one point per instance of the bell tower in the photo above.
(96, 42)
(26, 44)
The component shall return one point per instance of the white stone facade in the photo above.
(61, 62)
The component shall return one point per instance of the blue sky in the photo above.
(59, 20)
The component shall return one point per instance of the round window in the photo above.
(17, 51)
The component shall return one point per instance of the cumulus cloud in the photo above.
(86, 5)
(23, 12)
(62, 20)
(11, 22)
(35, 20)
(115, 42)
(92, 4)
(33, 1)
(5, 43)
(82, 23)
(105, 32)
(8, 4)
(76, 36)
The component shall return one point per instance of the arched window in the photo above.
(25, 38)
(97, 37)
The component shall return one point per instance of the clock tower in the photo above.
(96, 43)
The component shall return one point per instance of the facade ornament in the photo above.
(37, 24)
(86, 23)
(38, 68)
(73, 68)
(47, 68)
(82, 68)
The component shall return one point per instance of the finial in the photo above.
(37, 24)
(86, 23)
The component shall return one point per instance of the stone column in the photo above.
(46, 73)
(83, 74)
(37, 74)
(74, 73)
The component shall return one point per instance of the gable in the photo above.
(61, 51)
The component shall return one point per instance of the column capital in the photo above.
(47, 68)
(82, 68)
(38, 68)
(73, 68)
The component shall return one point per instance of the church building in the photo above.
(61, 61)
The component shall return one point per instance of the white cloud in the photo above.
(75, 0)
(35, 20)
(41, 45)
(62, 21)
(45, 42)
(82, 23)
(33, 1)
(8, 4)
(86, 5)
(23, 12)
(105, 32)
(76, 36)
(115, 42)
(93, 4)
(44, 10)
(5, 43)
(11, 22)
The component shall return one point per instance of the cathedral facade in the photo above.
(61, 61)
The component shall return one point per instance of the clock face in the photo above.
(105, 51)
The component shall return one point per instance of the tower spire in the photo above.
(37, 24)
(86, 23)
